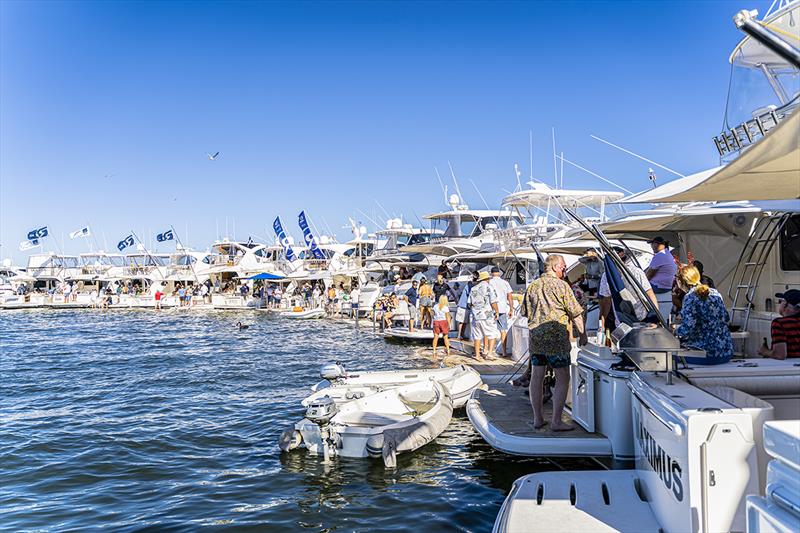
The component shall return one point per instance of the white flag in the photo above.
(83, 232)
(27, 245)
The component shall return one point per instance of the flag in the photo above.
(83, 232)
(308, 237)
(278, 227)
(124, 243)
(166, 236)
(27, 245)
(249, 242)
(35, 234)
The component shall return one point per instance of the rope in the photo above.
(780, 31)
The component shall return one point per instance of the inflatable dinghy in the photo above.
(342, 386)
(305, 313)
(383, 424)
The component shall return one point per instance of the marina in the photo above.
(610, 355)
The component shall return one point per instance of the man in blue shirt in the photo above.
(412, 297)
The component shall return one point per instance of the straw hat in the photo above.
(483, 276)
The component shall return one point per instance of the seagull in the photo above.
(212, 157)
(109, 176)
(242, 326)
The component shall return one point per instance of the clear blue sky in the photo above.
(328, 107)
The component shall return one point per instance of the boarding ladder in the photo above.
(750, 266)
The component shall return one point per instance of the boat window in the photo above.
(419, 238)
(117, 260)
(790, 244)
(71, 262)
(207, 260)
(350, 252)
(186, 260)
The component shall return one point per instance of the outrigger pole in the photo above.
(746, 22)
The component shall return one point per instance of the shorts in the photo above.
(554, 361)
(486, 327)
(461, 315)
(502, 321)
(441, 327)
(412, 312)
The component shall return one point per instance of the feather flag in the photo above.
(308, 237)
(83, 232)
(278, 227)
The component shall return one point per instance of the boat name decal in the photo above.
(667, 468)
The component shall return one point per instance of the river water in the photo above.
(170, 420)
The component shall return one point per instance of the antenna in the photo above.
(442, 185)
(651, 175)
(562, 170)
(555, 169)
(620, 187)
(455, 181)
(518, 174)
(530, 150)
(595, 137)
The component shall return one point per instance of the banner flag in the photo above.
(166, 236)
(83, 232)
(35, 234)
(278, 227)
(124, 243)
(27, 245)
(308, 237)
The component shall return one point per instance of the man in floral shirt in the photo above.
(551, 307)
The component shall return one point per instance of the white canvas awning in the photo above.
(769, 170)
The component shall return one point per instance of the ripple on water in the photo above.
(136, 419)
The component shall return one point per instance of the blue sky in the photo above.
(107, 109)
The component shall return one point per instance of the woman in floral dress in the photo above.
(704, 320)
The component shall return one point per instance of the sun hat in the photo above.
(483, 276)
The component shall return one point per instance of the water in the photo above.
(170, 420)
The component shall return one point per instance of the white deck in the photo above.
(591, 501)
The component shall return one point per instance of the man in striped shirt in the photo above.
(786, 328)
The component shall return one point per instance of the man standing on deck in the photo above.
(505, 304)
(662, 269)
(551, 307)
(483, 303)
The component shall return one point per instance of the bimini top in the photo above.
(542, 195)
(769, 170)
(472, 214)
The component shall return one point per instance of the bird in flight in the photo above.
(212, 157)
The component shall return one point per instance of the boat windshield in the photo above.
(755, 90)
(117, 260)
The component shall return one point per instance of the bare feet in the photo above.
(539, 425)
(562, 427)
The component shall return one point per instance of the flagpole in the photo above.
(191, 263)
(149, 255)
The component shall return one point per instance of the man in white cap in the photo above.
(483, 302)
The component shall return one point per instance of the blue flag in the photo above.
(124, 243)
(278, 227)
(35, 234)
(166, 236)
(309, 238)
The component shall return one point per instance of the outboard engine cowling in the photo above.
(332, 371)
(321, 410)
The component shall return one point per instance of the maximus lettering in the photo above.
(668, 470)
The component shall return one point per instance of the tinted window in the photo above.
(790, 244)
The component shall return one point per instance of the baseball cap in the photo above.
(792, 296)
(495, 269)
(657, 240)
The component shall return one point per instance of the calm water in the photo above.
(170, 421)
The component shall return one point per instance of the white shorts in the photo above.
(461, 315)
(486, 327)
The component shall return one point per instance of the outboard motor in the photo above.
(332, 371)
(321, 411)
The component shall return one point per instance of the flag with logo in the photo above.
(166, 236)
(308, 237)
(124, 243)
(83, 232)
(278, 227)
(27, 245)
(36, 234)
